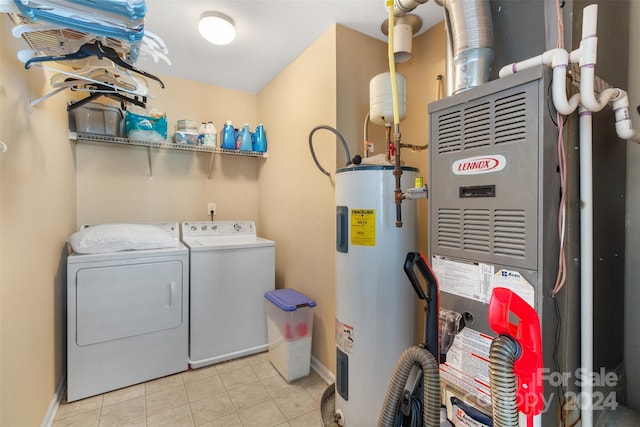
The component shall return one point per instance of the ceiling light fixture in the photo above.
(217, 28)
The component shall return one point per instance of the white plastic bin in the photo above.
(290, 327)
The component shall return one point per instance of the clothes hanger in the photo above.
(113, 95)
(94, 49)
(108, 81)
(140, 88)
(97, 70)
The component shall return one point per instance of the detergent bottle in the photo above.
(244, 140)
(228, 136)
(260, 139)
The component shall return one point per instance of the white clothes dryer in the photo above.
(127, 317)
(231, 270)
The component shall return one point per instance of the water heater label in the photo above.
(363, 227)
(344, 337)
(479, 165)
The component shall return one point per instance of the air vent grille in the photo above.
(499, 121)
(493, 232)
(510, 233)
(450, 136)
(511, 119)
(449, 224)
(476, 230)
(477, 126)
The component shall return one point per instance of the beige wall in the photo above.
(359, 59)
(37, 213)
(295, 200)
(114, 182)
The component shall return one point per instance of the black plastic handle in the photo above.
(415, 261)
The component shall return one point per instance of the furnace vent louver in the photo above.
(510, 119)
(477, 126)
(510, 233)
(449, 225)
(489, 123)
(450, 136)
(476, 230)
(495, 232)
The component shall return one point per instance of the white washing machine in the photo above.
(127, 317)
(231, 270)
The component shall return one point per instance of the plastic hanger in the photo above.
(102, 71)
(140, 102)
(94, 49)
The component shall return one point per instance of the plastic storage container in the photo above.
(99, 119)
(289, 328)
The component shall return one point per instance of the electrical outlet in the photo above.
(211, 209)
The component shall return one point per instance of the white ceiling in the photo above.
(270, 35)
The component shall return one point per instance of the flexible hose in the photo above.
(313, 153)
(431, 382)
(502, 355)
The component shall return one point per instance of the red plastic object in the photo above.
(505, 304)
(288, 334)
(302, 329)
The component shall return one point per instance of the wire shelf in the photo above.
(94, 138)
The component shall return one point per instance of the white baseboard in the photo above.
(50, 415)
(322, 371)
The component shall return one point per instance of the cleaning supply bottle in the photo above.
(260, 139)
(211, 135)
(201, 132)
(228, 136)
(244, 141)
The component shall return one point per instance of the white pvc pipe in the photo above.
(588, 55)
(519, 66)
(586, 266)
(559, 60)
(560, 63)
(624, 127)
(587, 90)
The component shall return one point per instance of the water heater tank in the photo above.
(381, 98)
(376, 306)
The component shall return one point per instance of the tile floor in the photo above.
(242, 392)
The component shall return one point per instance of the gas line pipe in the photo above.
(588, 103)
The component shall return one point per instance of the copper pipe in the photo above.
(397, 173)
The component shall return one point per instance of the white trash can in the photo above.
(289, 328)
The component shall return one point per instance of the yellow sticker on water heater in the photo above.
(363, 227)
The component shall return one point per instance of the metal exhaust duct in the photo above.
(472, 37)
(471, 33)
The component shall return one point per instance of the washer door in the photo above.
(121, 301)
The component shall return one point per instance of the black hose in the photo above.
(313, 153)
(502, 356)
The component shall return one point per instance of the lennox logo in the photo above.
(479, 165)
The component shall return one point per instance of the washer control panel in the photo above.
(218, 228)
